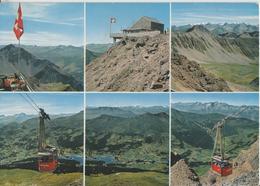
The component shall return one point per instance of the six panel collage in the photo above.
(129, 93)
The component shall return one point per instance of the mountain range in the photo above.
(251, 112)
(96, 50)
(231, 57)
(40, 72)
(218, 29)
(18, 118)
(124, 112)
(69, 58)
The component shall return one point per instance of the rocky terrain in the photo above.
(181, 174)
(228, 61)
(133, 64)
(245, 170)
(200, 45)
(41, 73)
(190, 76)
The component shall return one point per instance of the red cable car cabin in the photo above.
(48, 160)
(11, 83)
(221, 167)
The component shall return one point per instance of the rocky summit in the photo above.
(132, 64)
(181, 174)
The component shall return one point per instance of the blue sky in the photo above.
(45, 24)
(126, 99)
(202, 13)
(52, 103)
(229, 98)
(98, 17)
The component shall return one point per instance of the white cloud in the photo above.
(32, 10)
(190, 18)
(53, 22)
(39, 12)
(40, 39)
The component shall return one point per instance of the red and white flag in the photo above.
(18, 25)
(112, 20)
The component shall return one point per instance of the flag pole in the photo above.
(19, 50)
(110, 28)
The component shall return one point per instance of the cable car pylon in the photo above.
(47, 154)
(220, 164)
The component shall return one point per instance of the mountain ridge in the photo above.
(218, 107)
(33, 68)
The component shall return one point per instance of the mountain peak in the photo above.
(12, 50)
(199, 28)
(8, 47)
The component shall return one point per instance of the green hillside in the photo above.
(19, 141)
(193, 138)
(126, 149)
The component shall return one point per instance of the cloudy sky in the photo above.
(202, 13)
(125, 99)
(44, 24)
(229, 98)
(52, 103)
(99, 14)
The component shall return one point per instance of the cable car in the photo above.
(48, 160)
(220, 164)
(221, 167)
(12, 83)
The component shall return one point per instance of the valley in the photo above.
(127, 146)
(228, 52)
(45, 68)
(193, 140)
(18, 154)
(96, 50)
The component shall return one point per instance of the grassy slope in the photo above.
(129, 179)
(27, 177)
(234, 73)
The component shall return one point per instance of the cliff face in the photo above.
(133, 64)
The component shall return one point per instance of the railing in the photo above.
(138, 34)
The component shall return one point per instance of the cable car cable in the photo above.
(29, 103)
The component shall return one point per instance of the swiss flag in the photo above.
(18, 25)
